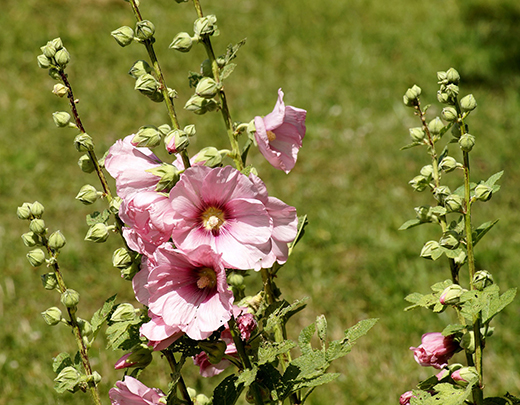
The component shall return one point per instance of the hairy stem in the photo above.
(181, 385)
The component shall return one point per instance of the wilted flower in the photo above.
(435, 350)
(134, 392)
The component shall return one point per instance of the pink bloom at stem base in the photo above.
(133, 392)
(279, 134)
(435, 350)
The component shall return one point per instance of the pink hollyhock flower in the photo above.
(159, 334)
(187, 290)
(224, 209)
(280, 133)
(133, 392)
(128, 165)
(435, 350)
(405, 398)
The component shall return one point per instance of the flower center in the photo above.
(212, 218)
(271, 136)
(206, 278)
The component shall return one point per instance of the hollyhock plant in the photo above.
(279, 134)
(404, 399)
(131, 391)
(435, 350)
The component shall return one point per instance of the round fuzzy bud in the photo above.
(182, 42)
(70, 298)
(140, 68)
(61, 119)
(465, 376)
(452, 90)
(440, 193)
(468, 342)
(427, 171)
(164, 129)
(449, 114)
(88, 194)
(436, 126)
(49, 281)
(468, 103)
(43, 61)
(97, 233)
(37, 226)
(482, 279)
(201, 399)
(466, 142)
(37, 209)
(443, 97)
(451, 295)
(452, 76)
(48, 50)
(200, 105)
(235, 279)
(68, 377)
(190, 130)
(83, 143)
(57, 240)
(419, 183)
(24, 211)
(144, 30)
(123, 313)
(85, 327)
(413, 93)
(121, 258)
(60, 90)
(206, 87)
(52, 316)
(57, 43)
(148, 136)
(206, 26)
(428, 248)
(146, 84)
(454, 203)
(62, 57)
(115, 204)
(450, 240)
(85, 164)
(36, 257)
(417, 134)
(209, 156)
(169, 176)
(176, 141)
(30, 239)
(448, 164)
(483, 192)
(442, 77)
(129, 272)
(423, 213)
(124, 36)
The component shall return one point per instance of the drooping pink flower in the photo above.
(435, 350)
(280, 133)
(131, 391)
(405, 398)
(187, 291)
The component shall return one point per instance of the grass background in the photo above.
(348, 63)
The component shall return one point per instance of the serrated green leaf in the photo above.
(452, 329)
(61, 361)
(226, 392)
(410, 224)
(304, 339)
(441, 286)
(414, 297)
(269, 351)
(232, 50)
(226, 71)
(497, 304)
(360, 329)
(247, 377)
(482, 230)
(98, 217)
(101, 315)
(471, 303)
(282, 314)
(123, 335)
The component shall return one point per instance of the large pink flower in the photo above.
(186, 291)
(133, 392)
(280, 133)
(435, 350)
(224, 209)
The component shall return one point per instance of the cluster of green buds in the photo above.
(147, 84)
(143, 31)
(125, 260)
(205, 26)
(54, 57)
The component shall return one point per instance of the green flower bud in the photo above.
(140, 356)
(442, 97)
(144, 30)
(36, 257)
(235, 279)
(164, 129)
(48, 50)
(202, 399)
(413, 93)
(465, 376)
(468, 342)
(70, 298)
(115, 204)
(37, 209)
(454, 203)
(440, 193)
(483, 192)
(57, 240)
(206, 26)
(448, 164)
(129, 272)
(62, 119)
(60, 90)
(85, 164)
(123, 313)
(190, 130)
(423, 213)
(97, 233)
(449, 114)
(122, 258)
(452, 76)
(214, 350)
(176, 141)
(455, 130)
(427, 171)
(452, 90)
(84, 143)
(62, 57)
(206, 69)
(450, 240)
(148, 136)
(182, 42)
(419, 183)
(466, 142)
(37, 226)
(140, 68)
(200, 105)
(30, 239)
(206, 87)
(68, 377)
(85, 328)
(417, 134)
(88, 194)
(209, 156)
(49, 281)
(468, 103)
(428, 249)
(24, 211)
(451, 295)
(482, 279)
(43, 61)
(57, 43)
(321, 327)
(52, 316)
(442, 77)
(169, 175)
(436, 126)
(124, 36)
(146, 84)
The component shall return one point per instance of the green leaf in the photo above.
(471, 303)
(411, 145)
(410, 224)
(304, 340)
(496, 304)
(493, 179)
(452, 329)
(282, 314)
(247, 377)
(227, 70)
(441, 286)
(302, 223)
(226, 392)
(61, 361)
(482, 230)
(101, 315)
(269, 351)
(98, 217)
(232, 50)
(447, 394)
(497, 401)
(123, 335)
(194, 78)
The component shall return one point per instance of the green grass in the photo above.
(348, 63)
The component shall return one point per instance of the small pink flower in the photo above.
(280, 133)
(206, 368)
(405, 398)
(123, 362)
(245, 320)
(435, 350)
(133, 392)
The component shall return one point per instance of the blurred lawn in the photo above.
(348, 63)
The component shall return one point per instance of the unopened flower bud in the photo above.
(442, 97)
(115, 204)
(448, 164)
(169, 176)
(483, 192)
(466, 142)
(452, 90)
(85, 327)
(468, 342)
(202, 399)
(454, 203)
(144, 30)
(62, 119)
(449, 114)
(24, 211)
(48, 50)
(97, 233)
(176, 141)
(200, 105)
(482, 279)
(121, 258)
(85, 164)
(124, 35)
(423, 213)
(214, 350)
(442, 77)
(440, 193)
(209, 156)
(139, 356)
(164, 129)
(413, 93)
(62, 57)
(57, 240)
(57, 43)
(147, 136)
(468, 103)
(436, 126)
(49, 281)
(129, 272)
(140, 68)
(417, 134)
(43, 61)
(52, 316)
(83, 143)
(427, 171)
(124, 312)
(60, 90)
(452, 76)
(88, 194)
(70, 298)
(182, 42)
(451, 295)
(428, 249)
(146, 84)
(465, 376)
(419, 183)
(206, 26)
(190, 130)
(206, 87)
(235, 279)
(37, 226)
(68, 377)
(30, 239)
(37, 209)
(206, 69)
(450, 240)
(36, 257)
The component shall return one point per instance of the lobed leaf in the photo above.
(226, 393)
(101, 315)
(482, 230)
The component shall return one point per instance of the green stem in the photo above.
(181, 385)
